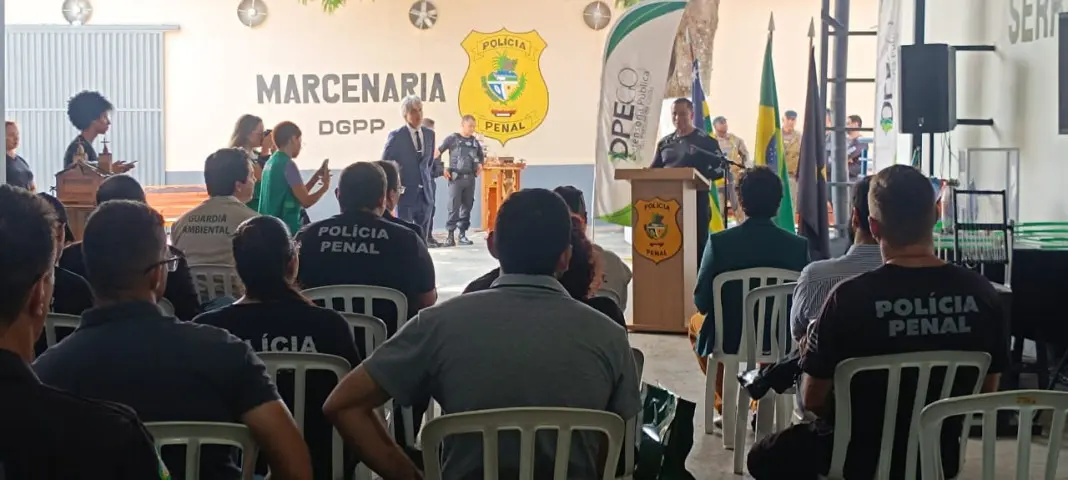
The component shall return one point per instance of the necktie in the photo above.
(418, 141)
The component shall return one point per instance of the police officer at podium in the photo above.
(689, 146)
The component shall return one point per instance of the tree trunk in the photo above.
(701, 20)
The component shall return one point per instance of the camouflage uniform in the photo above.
(734, 148)
(791, 143)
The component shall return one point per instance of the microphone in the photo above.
(722, 157)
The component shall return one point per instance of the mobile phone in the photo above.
(326, 165)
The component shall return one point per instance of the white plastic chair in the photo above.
(58, 320)
(773, 407)
(212, 281)
(193, 435)
(763, 277)
(368, 294)
(165, 306)
(528, 421)
(924, 362)
(633, 425)
(301, 363)
(374, 329)
(1026, 402)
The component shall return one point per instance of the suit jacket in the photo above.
(414, 168)
(409, 225)
(757, 242)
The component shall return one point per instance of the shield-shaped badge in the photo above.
(503, 87)
(658, 235)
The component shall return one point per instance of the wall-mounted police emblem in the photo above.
(503, 87)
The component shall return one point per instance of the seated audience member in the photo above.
(818, 278)
(360, 247)
(488, 350)
(579, 280)
(71, 294)
(615, 274)
(394, 189)
(756, 242)
(881, 312)
(204, 232)
(274, 317)
(48, 433)
(126, 350)
(180, 290)
(283, 193)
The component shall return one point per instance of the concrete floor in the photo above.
(669, 362)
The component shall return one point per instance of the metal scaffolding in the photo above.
(837, 26)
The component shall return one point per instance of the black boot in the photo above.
(451, 240)
(463, 238)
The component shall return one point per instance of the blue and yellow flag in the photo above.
(769, 139)
(703, 121)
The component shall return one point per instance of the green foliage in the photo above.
(519, 89)
(626, 3)
(329, 6)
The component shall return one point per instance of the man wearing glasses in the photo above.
(126, 350)
(394, 190)
(179, 287)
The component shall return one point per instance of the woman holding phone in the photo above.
(283, 193)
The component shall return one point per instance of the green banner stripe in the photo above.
(637, 17)
(619, 217)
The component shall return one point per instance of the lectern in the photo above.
(665, 245)
(76, 188)
(500, 178)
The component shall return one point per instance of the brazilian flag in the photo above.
(703, 121)
(769, 139)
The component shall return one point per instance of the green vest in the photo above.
(276, 196)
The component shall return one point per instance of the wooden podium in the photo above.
(500, 178)
(664, 239)
(76, 188)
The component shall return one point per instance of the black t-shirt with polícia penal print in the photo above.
(361, 248)
(894, 310)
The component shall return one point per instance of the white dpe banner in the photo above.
(886, 82)
(637, 56)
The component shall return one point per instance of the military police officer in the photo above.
(465, 160)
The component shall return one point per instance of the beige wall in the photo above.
(1016, 86)
(212, 63)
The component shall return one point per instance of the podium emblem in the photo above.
(503, 87)
(658, 220)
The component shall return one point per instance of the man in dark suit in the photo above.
(757, 242)
(412, 147)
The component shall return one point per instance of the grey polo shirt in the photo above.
(523, 343)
